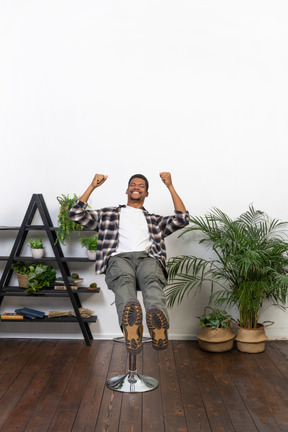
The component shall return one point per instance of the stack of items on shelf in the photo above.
(22, 313)
(73, 280)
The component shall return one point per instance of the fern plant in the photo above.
(90, 243)
(250, 265)
(65, 225)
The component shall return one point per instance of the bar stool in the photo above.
(132, 382)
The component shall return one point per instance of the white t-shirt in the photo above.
(133, 231)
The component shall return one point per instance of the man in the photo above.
(131, 252)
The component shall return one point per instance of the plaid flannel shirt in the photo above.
(106, 223)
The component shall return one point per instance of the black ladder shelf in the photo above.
(37, 203)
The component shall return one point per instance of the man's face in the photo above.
(137, 191)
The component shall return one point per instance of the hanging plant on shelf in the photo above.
(65, 225)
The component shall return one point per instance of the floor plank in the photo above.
(173, 409)
(239, 414)
(20, 399)
(51, 397)
(152, 419)
(87, 415)
(194, 408)
(60, 386)
(245, 373)
(215, 407)
(110, 409)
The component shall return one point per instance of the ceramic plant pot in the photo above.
(37, 253)
(91, 255)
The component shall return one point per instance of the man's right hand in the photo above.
(98, 180)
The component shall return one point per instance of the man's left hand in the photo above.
(166, 178)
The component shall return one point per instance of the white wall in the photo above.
(198, 88)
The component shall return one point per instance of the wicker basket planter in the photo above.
(251, 340)
(216, 340)
(22, 280)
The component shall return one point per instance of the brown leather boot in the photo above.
(132, 326)
(157, 323)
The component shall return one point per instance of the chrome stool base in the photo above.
(132, 382)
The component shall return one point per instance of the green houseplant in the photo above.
(249, 267)
(90, 243)
(37, 248)
(214, 319)
(65, 225)
(216, 334)
(38, 276)
(22, 270)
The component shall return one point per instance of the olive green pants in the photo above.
(128, 272)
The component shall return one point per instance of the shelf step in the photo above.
(46, 259)
(18, 292)
(69, 319)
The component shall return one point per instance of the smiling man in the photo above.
(131, 252)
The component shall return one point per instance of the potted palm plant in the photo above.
(248, 270)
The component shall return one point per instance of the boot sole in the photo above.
(158, 328)
(132, 326)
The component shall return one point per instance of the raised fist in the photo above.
(98, 180)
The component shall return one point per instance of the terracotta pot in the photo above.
(250, 340)
(216, 340)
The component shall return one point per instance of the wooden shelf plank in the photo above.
(47, 259)
(51, 292)
(69, 319)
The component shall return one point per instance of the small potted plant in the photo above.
(216, 334)
(90, 243)
(37, 248)
(39, 277)
(34, 277)
(22, 270)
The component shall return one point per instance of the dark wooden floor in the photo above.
(54, 386)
